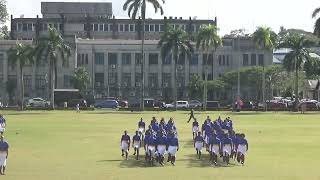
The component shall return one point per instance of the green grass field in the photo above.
(64, 145)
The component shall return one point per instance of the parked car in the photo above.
(160, 104)
(123, 103)
(276, 105)
(38, 102)
(194, 104)
(107, 104)
(180, 105)
(309, 105)
(213, 104)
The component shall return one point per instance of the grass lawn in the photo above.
(64, 145)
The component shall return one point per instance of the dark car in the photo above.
(276, 105)
(309, 105)
(149, 102)
(213, 104)
(107, 104)
(160, 104)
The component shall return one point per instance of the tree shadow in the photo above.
(193, 161)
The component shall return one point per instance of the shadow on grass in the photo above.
(193, 161)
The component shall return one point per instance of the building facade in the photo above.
(110, 49)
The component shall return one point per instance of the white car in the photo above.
(180, 105)
(194, 104)
(38, 102)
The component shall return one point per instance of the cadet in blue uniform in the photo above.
(195, 128)
(136, 143)
(215, 148)
(125, 144)
(227, 148)
(242, 148)
(198, 144)
(161, 147)
(4, 152)
(173, 147)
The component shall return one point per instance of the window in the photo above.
(261, 60)
(27, 80)
(24, 27)
(228, 63)
(82, 59)
(99, 58)
(126, 27)
(167, 59)
(245, 59)
(126, 58)
(220, 60)
(126, 79)
(153, 80)
(95, 27)
(111, 28)
(101, 27)
(112, 58)
(112, 78)
(161, 27)
(67, 81)
(106, 27)
(1, 78)
(166, 79)
(121, 28)
(224, 60)
(138, 78)
(1, 62)
(40, 81)
(61, 27)
(151, 27)
(207, 61)
(86, 59)
(194, 59)
(181, 59)
(253, 59)
(153, 58)
(99, 80)
(19, 27)
(138, 58)
(132, 29)
(157, 28)
(146, 28)
(29, 26)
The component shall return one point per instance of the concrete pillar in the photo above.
(159, 71)
(133, 69)
(146, 70)
(119, 72)
(106, 73)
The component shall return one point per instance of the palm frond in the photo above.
(315, 12)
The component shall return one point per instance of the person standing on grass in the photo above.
(215, 148)
(161, 143)
(173, 147)
(125, 144)
(4, 152)
(141, 128)
(78, 108)
(242, 148)
(191, 115)
(195, 128)
(2, 124)
(198, 144)
(227, 148)
(136, 143)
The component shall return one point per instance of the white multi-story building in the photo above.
(110, 49)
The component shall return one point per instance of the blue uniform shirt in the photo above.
(136, 138)
(141, 124)
(125, 138)
(2, 120)
(152, 141)
(173, 141)
(198, 139)
(242, 141)
(227, 141)
(215, 141)
(162, 140)
(155, 126)
(4, 146)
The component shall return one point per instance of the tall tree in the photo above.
(175, 42)
(52, 48)
(134, 7)
(316, 30)
(195, 87)
(207, 40)
(3, 11)
(295, 59)
(21, 55)
(80, 79)
(264, 39)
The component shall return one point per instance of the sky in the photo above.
(231, 14)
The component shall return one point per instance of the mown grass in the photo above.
(66, 145)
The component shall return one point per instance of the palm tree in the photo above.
(264, 39)
(296, 58)
(52, 47)
(22, 55)
(317, 23)
(134, 7)
(175, 42)
(207, 40)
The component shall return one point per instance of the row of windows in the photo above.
(253, 59)
(153, 59)
(32, 27)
